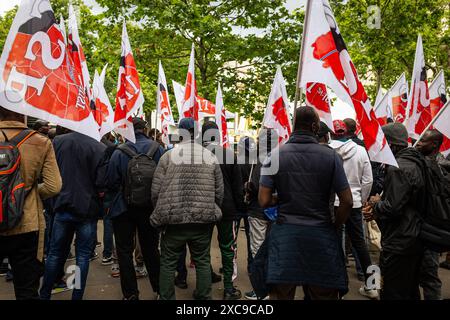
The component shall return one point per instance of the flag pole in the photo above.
(298, 90)
(432, 122)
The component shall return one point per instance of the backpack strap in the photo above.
(153, 149)
(21, 137)
(127, 150)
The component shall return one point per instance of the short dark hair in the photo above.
(39, 124)
(437, 137)
(351, 125)
(6, 114)
(304, 118)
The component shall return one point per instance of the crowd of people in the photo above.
(304, 207)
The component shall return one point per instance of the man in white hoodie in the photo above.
(359, 175)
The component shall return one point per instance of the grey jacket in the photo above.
(187, 187)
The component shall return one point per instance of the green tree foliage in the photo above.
(239, 43)
(383, 54)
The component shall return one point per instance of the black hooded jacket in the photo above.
(399, 212)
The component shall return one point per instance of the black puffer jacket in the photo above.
(402, 204)
(233, 199)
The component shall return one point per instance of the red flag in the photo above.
(276, 115)
(418, 115)
(163, 105)
(190, 103)
(326, 60)
(221, 119)
(382, 108)
(317, 97)
(38, 76)
(129, 97)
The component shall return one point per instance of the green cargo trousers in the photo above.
(227, 237)
(173, 241)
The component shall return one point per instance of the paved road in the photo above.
(101, 286)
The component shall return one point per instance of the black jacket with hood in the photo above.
(399, 212)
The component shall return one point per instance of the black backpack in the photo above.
(138, 181)
(12, 186)
(435, 229)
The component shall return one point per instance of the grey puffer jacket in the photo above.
(187, 187)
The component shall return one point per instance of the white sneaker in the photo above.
(369, 293)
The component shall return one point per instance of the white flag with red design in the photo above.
(75, 49)
(326, 60)
(317, 97)
(221, 119)
(442, 125)
(382, 108)
(438, 95)
(163, 105)
(438, 98)
(276, 115)
(38, 76)
(190, 103)
(418, 113)
(398, 99)
(129, 97)
(103, 112)
(206, 107)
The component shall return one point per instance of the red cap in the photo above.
(340, 128)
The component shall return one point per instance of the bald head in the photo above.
(307, 119)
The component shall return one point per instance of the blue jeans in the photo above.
(65, 226)
(108, 241)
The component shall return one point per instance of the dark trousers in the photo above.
(173, 242)
(125, 227)
(354, 229)
(181, 265)
(287, 292)
(400, 274)
(244, 217)
(429, 277)
(63, 232)
(21, 250)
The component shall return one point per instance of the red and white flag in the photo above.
(418, 113)
(62, 27)
(129, 97)
(317, 97)
(382, 108)
(326, 60)
(221, 119)
(276, 115)
(437, 94)
(163, 105)
(442, 125)
(206, 107)
(103, 112)
(190, 103)
(38, 76)
(438, 98)
(75, 50)
(398, 99)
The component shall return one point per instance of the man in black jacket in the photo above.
(429, 146)
(76, 207)
(398, 216)
(233, 203)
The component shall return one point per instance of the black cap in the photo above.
(324, 130)
(139, 124)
